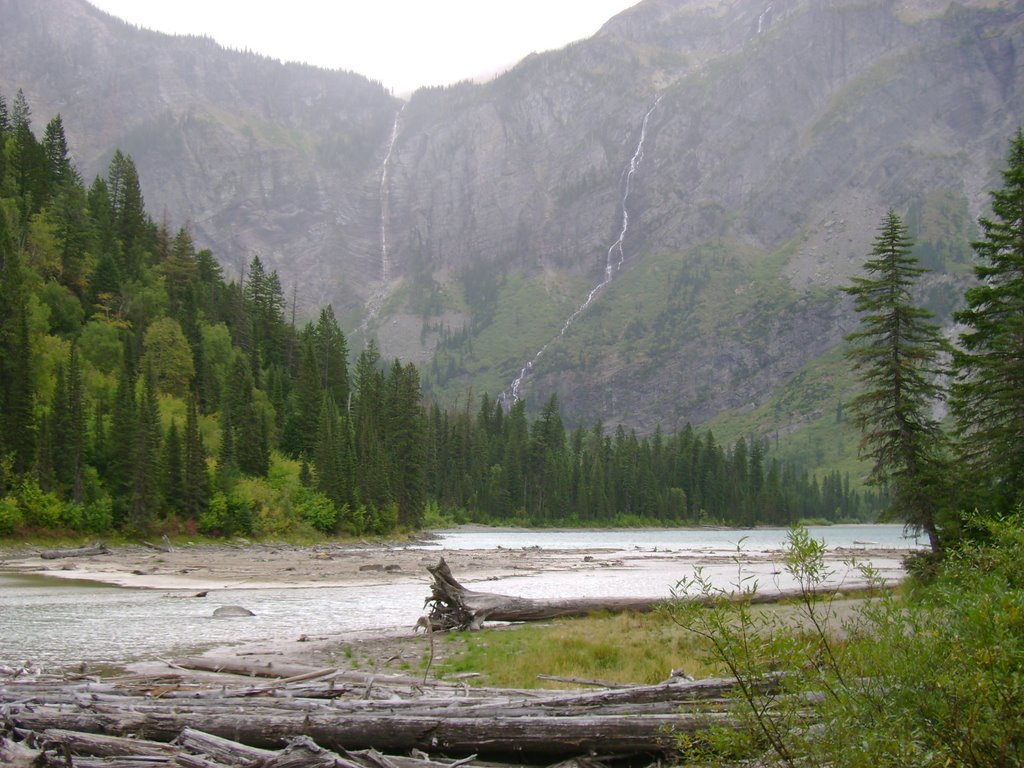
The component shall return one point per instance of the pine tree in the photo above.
(333, 456)
(146, 469)
(897, 353)
(304, 402)
(17, 424)
(196, 481)
(127, 211)
(173, 486)
(988, 393)
(28, 161)
(121, 438)
(405, 433)
(55, 147)
(332, 357)
(67, 429)
(371, 455)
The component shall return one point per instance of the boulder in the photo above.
(226, 611)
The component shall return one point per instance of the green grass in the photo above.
(637, 648)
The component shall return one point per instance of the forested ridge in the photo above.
(142, 389)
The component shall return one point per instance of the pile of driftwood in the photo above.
(343, 719)
(279, 716)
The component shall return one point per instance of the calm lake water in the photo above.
(54, 622)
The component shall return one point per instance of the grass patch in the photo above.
(636, 648)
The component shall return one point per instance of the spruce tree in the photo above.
(304, 402)
(196, 482)
(897, 354)
(127, 212)
(146, 469)
(17, 423)
(332, 458)
(332, 357)
(405, 433)
(988, 392)
(173, 486)
(55, 147)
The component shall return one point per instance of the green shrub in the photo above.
(934, 679)
(98, 515)
(317, 510)
(227, 515)
(41, 509)
(11, 517)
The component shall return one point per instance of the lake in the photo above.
(55, 622)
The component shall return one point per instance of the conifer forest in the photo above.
(142, 389)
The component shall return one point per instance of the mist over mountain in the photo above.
(466, 227)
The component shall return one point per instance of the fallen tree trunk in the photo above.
(92, 720)
(455, 607)
(452, 606)
(55, 554)
(522, 736)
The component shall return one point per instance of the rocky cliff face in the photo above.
(782, 132)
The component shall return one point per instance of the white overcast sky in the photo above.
(402, 43)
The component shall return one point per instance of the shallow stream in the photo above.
(55, 622)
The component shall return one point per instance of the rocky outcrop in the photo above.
(783, 132)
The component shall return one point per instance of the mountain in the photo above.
(707, 173)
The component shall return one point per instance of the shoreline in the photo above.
(206, 567)
(236, 568)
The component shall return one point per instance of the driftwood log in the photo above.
(452, 606)
(317, 722)
(56, 554)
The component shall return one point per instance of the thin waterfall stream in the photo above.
(614, 260)
(376, 300)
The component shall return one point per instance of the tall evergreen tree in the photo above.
(67, 428)
(897, 353)
(988, 393)
(128, 212)
(249, 433)
(332, 357)
(304, 405)
(146, 469)
(173, 485)
(55, 147)
(333, 456)
(368, 412)
(120, 443)
(17, 423)
(196, 481)
(405, 433)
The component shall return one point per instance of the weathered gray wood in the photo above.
(534, 736)
(101, 745)
(452, 606)
(219, 749)
(455, 607)
(55, 554)
(17, 755)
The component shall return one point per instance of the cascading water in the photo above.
(385, 200)
(376, 300)
(763, 18)
(613, 262)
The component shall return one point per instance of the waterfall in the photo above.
(376, 300)
(764, 17)
(614, 260)
(385, 199)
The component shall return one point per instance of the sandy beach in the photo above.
(262, 565)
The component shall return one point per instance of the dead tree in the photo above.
(452, 606)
